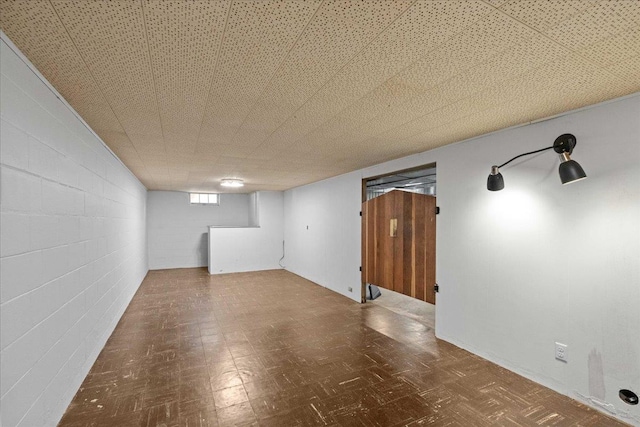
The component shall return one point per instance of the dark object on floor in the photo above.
(373, 292)
(629, 397)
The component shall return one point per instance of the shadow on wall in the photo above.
(203, 248)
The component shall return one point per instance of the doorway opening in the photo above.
(398, 242)
(420, 180)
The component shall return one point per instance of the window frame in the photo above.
(207, 203)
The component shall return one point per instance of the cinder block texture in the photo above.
(72, 251)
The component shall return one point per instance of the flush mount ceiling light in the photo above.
(570, 171)
(232, 182)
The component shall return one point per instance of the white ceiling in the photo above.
(283, 93)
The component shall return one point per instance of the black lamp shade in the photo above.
(495, 182)
(571, 171)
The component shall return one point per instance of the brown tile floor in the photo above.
(273, 349)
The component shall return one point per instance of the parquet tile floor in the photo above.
(273, 349)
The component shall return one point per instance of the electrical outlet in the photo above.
(350, 289)
(561, 352)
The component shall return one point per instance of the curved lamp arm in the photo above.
(525, 154)
(570, 170)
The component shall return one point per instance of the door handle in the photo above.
(393, 227)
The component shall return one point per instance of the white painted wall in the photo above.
(233, 250)
(72, 250)
(519, 269)
(322, 233)
(178, 230)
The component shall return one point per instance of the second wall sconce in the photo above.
(570, 170)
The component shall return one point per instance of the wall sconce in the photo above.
(570, 171)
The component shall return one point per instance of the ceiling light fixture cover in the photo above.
(232, 182)
(570, 170)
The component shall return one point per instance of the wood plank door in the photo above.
(424, 218)
(398, 243)
(378, 245)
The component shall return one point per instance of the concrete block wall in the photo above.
(72, 250)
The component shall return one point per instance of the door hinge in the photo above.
(360, 268)
(360, 213)
(437, 210)
(436, 287)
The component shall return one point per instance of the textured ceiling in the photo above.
(283, 93)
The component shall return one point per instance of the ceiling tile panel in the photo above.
(496, 3)
(604, 20)
(493, 72)
(258, 37)
(338, 31)
(629, 71)
(545, 15)
(35, 28)
(180, 150)
(282, 93)
(420, 29)
(147, 143)
(610, 51)
(230, 150)
(184, 38)
(495, 33)
(112, 43)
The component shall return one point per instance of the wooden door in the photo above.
(403, 261)
(378, 245)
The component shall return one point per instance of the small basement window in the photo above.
(204, 199)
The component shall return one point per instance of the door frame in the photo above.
(363, 287)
